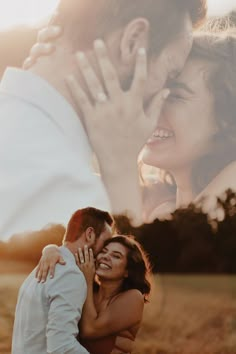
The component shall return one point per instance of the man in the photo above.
(45, 155)
(47, 315)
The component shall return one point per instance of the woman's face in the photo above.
(111, 262)
(186, 124)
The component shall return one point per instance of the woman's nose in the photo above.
(105, 256)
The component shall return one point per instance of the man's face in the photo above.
(170, 62)
(104, 235)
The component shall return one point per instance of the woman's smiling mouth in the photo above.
(160, 134)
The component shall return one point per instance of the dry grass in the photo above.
(11, 277)
(190, 315)
(187, 315)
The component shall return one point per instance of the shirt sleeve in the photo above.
(66, 294)
(40, 169)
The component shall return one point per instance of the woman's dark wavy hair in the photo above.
(219, 50)
(138, 265)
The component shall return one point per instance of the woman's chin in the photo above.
(149, 158)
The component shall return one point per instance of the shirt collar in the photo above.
(38, 92)
(67, 253)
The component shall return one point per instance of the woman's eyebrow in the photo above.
(180, 85)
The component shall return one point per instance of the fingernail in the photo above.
(81, 56)
(48, 45)
(98, 43)
(50, 276)
(101, 97)
(141, 51)
(165, 94)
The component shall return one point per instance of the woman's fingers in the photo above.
(46, 34)
(46, 269)
(108, 71)
(79, 96)
(38, 271)
(85, 257)
(28, 63)
(42, 271)
(86, 254)
(81, 256)
(140, 73)
(49, 33)
(77, 259)
(91, 257)
(94, 85)
(38, 49)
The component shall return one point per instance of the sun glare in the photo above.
(31, 12)
(26, 12)
(221, 7)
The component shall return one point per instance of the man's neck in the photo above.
(73, 246)
(54, 71)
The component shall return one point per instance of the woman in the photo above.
(194, 142)
(113, 310)
(193, 145)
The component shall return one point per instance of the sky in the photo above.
(14, 12)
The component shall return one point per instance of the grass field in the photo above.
(186, 315)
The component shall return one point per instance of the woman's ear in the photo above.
(135, 36)
(90, 236)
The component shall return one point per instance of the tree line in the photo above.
(189, 242)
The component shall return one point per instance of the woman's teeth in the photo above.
(163, 134)
(104, 266)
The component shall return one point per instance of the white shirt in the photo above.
(47, 315)
(45, 157)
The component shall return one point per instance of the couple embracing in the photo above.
(74, 312)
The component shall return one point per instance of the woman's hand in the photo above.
(85, 261)
(116, 123)
(50, 257)
(43, 45)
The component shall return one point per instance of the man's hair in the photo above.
(84, 218)
(84, 21)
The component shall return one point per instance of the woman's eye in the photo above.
(116, 256)
(176, 97)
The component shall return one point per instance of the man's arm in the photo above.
(66, 294)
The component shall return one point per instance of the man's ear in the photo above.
(90, 236)
(135, 36)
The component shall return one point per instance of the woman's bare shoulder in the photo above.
(224, 180)
(131, 298)
(159, 201)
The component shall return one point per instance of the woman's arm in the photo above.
(50, 257)
(216, 188)
(123, 312)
